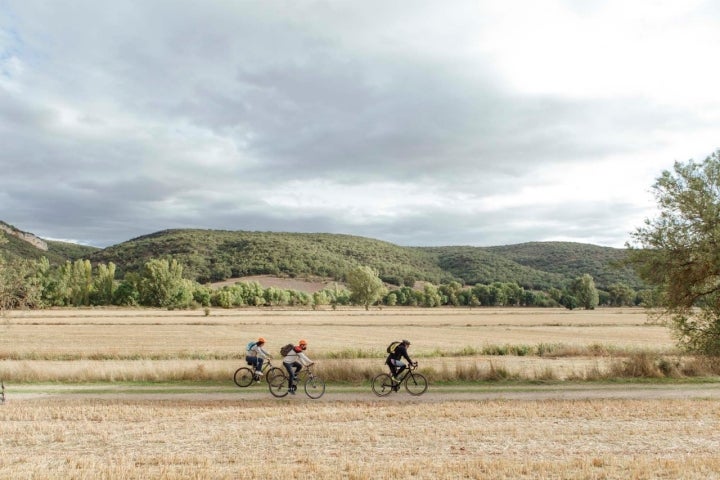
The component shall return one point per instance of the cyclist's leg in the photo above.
(391, 365)
(258, 365)
(291, 373)
(400, 368)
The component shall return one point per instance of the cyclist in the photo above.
(256, 355)
(394, 360)
(294, 361)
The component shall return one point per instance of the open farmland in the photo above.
(140, 394)
(151, 345)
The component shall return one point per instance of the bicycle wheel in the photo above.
(382, 385)
(416, 384)
(243, 377)
(278, 386)
(273, 372)
(314, 387)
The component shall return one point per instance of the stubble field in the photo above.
(72, 410)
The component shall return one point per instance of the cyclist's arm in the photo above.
(304, 359)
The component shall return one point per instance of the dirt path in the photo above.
(128, 393)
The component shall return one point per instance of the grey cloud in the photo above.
(285, 92)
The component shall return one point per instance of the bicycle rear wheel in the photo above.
(382, 385)
(416, 384)
(314, 387)
(278, 386)
(243, 377)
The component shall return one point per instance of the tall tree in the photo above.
(365, 286)
(679, 251)
(583, 289)
(104, 284)
(162, 285)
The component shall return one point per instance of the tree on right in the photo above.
(678, 252)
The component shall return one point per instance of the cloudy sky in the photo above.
(416, 122)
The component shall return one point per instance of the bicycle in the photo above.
(314, 386)
(415, 383)
(245, 376)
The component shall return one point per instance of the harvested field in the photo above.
(76, 345)
(227, 331)
(147, 394)
(508, 439)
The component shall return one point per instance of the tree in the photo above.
(365, 286)
(162, 285)
(19, 287)
(583, 289)
(621, 295)
(104, 284)
(678, 252)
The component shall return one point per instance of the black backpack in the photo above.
(286, 349)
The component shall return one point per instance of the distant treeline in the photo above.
(163, 283)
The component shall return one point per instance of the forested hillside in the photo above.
(16, 245)
(567, 259)
(215, 255)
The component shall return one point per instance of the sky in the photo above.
(420, 123)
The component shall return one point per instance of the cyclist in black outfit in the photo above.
(394, 360)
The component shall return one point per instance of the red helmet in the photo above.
(261, 340)
(302, 343)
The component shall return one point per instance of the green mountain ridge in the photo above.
(215, 255)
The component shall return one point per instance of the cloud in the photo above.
(485, 123)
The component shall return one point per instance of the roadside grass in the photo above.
(542, 350)
(637, 365)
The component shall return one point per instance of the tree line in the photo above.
(162, 283)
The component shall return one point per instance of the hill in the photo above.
(567, 259)
(217, 255)
(28, 246)
(214, 255)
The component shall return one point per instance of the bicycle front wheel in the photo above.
(243, 377)
(278, 386)
(382, 385)
(274, 372)
(314, 387)
(416, 384)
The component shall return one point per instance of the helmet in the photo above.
(302, 342)
(406, 342)
(261, 340)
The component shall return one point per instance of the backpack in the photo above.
(286, 349)
(250, 345)
(391, 348)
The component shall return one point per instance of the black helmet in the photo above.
(406, 342)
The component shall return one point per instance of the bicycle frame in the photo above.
(245, 375)
(415, 383)
(314, 385)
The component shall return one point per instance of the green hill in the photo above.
(21, 244)
(215, 255)
(481, 265)
(212, 255)
(573, 259)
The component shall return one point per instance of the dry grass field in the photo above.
(301, 439)
(150, 345)
(349, 434)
